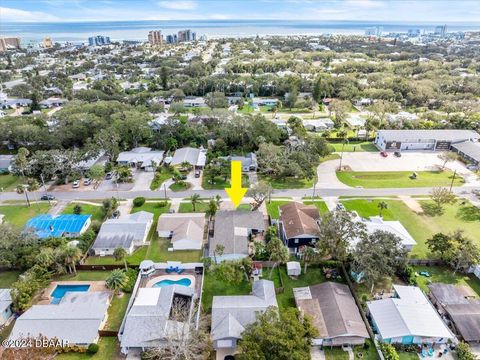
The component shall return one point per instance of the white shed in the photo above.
(293, 268)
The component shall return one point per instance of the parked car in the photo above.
(197, 173)
(397, 154)
(87, 182)
(47, 197)
(109, 176)
(384, 153)
(76, 184)
(340, 207)
(183, 177)
(116, 214)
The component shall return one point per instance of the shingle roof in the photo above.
(466, 318)
(76, 319)
(55, 226)
(142, 155)
(230, 314)
(188, 226)
(299, 219)
(232, 228)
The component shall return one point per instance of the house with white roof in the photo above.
(126, 232)
(408, 318)
(5, 306)
(231, 314)
(195, 157)
(185, 230)
(141, 157)
(76, 319)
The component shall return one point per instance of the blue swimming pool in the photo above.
(61, 290)
(166, 282)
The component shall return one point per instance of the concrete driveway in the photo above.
(142, 180)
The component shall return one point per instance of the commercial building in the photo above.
(98, 40)
(186, 35)
(155, 38)
(10, 43)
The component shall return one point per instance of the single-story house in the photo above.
(14, 103)
(402, 116)
(76, 319)
(194, 102)
(186, 230)
(298, 225)
(52, 102)
(149, 319)
(231, 314)
(408, 318)
(47, 225)
(5, 306)
(234, 230)
(468, 150)
(6, 162)
(436, 140)
(195, 157)
(334, 314)
(257, 102)
(249, 162)
(141, 157)
(355, 121)
(461, 306)
(127, 232)
(376, 223)
(318, 124)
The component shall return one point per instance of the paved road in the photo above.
(102, 194)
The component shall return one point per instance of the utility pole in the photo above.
(453, 179)
(165, 192)
(45, 189)
(341, 155)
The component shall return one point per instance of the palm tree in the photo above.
(278, 253)
(194, 199)
(219, 249)
(23, 189)
(45, 257)
(382, 205)
(72, 255)
(212, 208)
(120, 254)
(116, 280)
(309, 255)
(218, 200)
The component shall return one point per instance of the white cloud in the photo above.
(178, 5)
(219, 17)
(10, 14)
(366, 4)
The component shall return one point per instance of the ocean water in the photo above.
(78, 32)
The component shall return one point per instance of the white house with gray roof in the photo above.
(76, 319)
(195, 157)
(6, 162)
(249, 162)
(141, 157)
(231, 314)
(5, 306)
(127, 232)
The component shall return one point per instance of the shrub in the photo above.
(131, 279)
(389, 352)
(92, 348)
(77, 209)
(464, 352)
(138, 201)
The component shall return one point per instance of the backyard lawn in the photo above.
(213, 286)
(273, 208)
(446, 276)
(116, 311)
(335, 354)
(18, 215)
(9, 182)
(84, 275)
(354, 146)
(422, 226)
(320, 204)
(7, 278)
(95, 211)
(397, 179)
(108, 349)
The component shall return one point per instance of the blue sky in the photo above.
(110, 10)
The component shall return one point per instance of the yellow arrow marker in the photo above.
(235, 191)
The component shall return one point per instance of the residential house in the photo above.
(194, 102)
(186, 231)
(234, 230)
(355, 121)
(47, 225)
(6, 162)
(461, 306)
(5, 306)
(334, 314)
(195, 157)
(52, 102)
(76, 319)
(401, 117)
(141, 157)
(249, 162)
(127, 232)
(231, 314)
(318, 124)
(298, 225)
(14, 103)
(408, 318)
(257, 102)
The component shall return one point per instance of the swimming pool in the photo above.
(61, 290)
(166, 282)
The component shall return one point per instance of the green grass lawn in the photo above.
(179, 186)
(84, 275)
(95, 211)
(273, 208)
(422, 227)
(219, 182)
(160, 177)
(288, 183)
(407, 355)
(18, 215)
(9, 182)
(108, 349)
(116, 311)
(335, 354)
(329, 157)
(320, 204)
(397, 179)
(244, 207)
(366, 354)
(7, 278)
(354, 146)
(216, 287)
(445, 275)
(187, 207)
(157, 208)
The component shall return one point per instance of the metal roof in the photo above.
(55, 226)
(469, 148)
(439, 135)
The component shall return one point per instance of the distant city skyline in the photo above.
(426, 11)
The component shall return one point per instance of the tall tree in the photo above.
(277, 252)
(116, 280)
(120, 254)
(194, 200)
